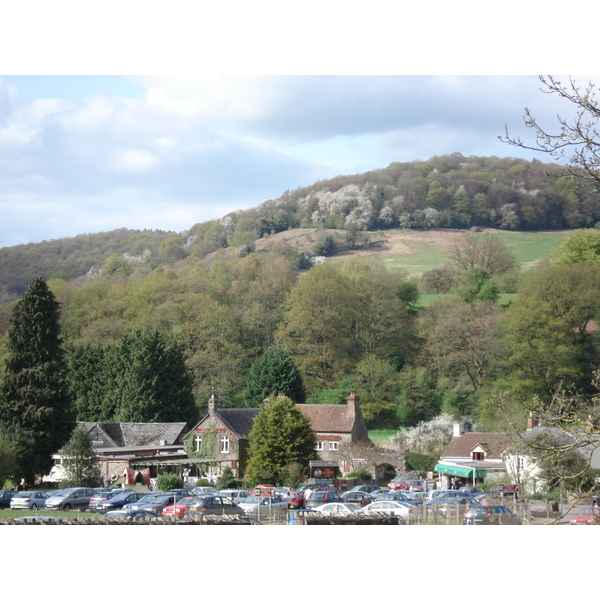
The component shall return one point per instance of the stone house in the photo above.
(220, 439)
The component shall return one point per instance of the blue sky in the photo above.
(93, 152)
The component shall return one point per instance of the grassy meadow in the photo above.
(529, 247)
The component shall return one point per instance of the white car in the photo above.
(207, 489)
(402, 509)
(338, 508)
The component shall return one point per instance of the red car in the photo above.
(180, 509)
(586, 515)
(295, 499)
(398, 482)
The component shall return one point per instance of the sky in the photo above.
(86, 147)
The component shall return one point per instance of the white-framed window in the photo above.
(334, 445)
(198, 442)
(319, 446)
(224, 444)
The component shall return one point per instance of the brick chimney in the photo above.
(211, 404)
(532, 421)
(352, 401)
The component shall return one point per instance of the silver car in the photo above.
(33, 499)
(70, 498)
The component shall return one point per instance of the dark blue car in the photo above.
(5, 496)
(120, 500)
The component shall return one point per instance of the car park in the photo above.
(70, 498)
(586, 515)
(204, 489)
(179, 509)
(452, 504)
(295, 499)
(98, 500)
(358, 498)
(121, 499)
(30, 499)
(398, 482)
(491, 515)
(367, 488)
(5, 498)
(319, 497)
(401, 509)
(338, 508)
(250, 505)
(152, 502)
(130, 514)
(213, 505)
(236, 496)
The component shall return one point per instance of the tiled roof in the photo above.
(461, 447)
(328, 417)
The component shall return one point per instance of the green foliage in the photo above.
(273, 373)
(168, 481)
(8, 458)
(361, 473)
(281, 435)
(80, 464)
(227, 480)
(580, 246)
(420, 462)
(479, 286)
(335, 395)
(34, 393)
(142, 379)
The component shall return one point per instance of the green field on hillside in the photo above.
(528, 247)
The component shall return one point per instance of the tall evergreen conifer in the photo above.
(34, 392)
(271, 374)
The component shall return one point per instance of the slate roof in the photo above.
(237, 420)
(460, 447)
(139, 434)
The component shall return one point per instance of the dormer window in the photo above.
(478, 456)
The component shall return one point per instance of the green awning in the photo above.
(459, 471)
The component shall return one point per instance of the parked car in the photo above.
(319, 497)
(365, 488)
(395, 483)
(77, 498)
(98, 500)
(450, 494)
(450, 504)
(471, 489)
(375, 494)
(586, 515)
(398, 497)
(250, 505)
(132, 514)
(179, 509)
(153, 502)
(236, 496)
(5, 498)
(401, 509)
(206, 489)
(338, 508)
(213, 505)
(32, 499)
(491, 515)
(359, 498)
(119, 500)
(295, 499)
